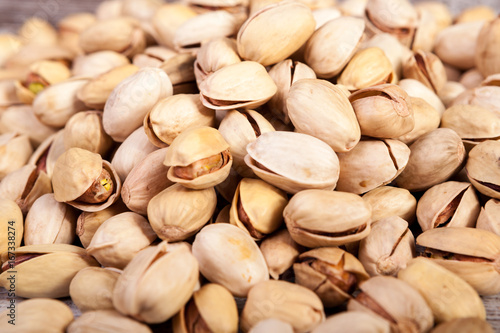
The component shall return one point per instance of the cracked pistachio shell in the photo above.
(285, 301)
(354, 322)
(53, 315)
(30, 53)
(193, 145)
(84, 130)
(229, 256)
(157, 283)
(473, 254)
(275, 32)
(332, 273)
(15, 151)
(271, 325)
(213, 55)
(489, 217)
(257, 207)
(448, 296)
(92, 288)
(55, 105)
(120, 238)
(426, 119)
(174, 114)
(106, 321)
(327, 218)
(97, 63)
(322, 110)
(50, 222)
(372, 163)
(95, 92)
(387, 201)
(146, 180)
(388, 248)
(244, 84)
(427, 68)
(48, 270)
(483, 169)
(293, 161)
(486, 56)
(463, 325)
(11, 222)
(132, 99)
(434, 158)
(383, 111)
(280, 252)
(404, 307)
(367, 68)
(416, 88)
(178, 212)
(332, 46)
(212, 308)
(449, 204)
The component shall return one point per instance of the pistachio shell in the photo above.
(15, 152)
(271, 325)
(489, 217)
(486, 55)
(45, 156)
(11, 222)
(462, 325)
(483, 170)
(415, 88)
(392, 48)
(153, 56)
(427, 68)
(280, 252)
(106, 321)
(355, 322)
(84, 130)
(213, 55)
(167, 20)
(426, 119)
(389, 201)
(97, 63)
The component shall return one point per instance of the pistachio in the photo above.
(427, 29)
(489, 217)
(167, 20)
(462, 325)
(427, 68)
(84, 130)
(426, 119)
(485, 54)
(415, 88)
(70, 28)
(280, 252)
(355, 322)
(48, 151)
(45, 34)
(483, 169)
(153, 56)
(485, 96)
(15, 151)
(271, 325)
(10, 45)
(11, 222)
(180, 70)
(440, 12)
(387, 201)
(471, 78)
(213, 55)
(476, 13)
(97, 63)
(392, 48)
(106, 321)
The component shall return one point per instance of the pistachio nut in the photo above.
(132, 99)
(120, 238)
(85, 181)
(448, 296)
(11, 222)
(449, 204)
(368, 67)
(293, 161)
(92, 288)
(51, 314)
(85, 130)
(395, 301)
(285, 301)
(426, 32)
(426, 119)
(106, 321)
(332, 273)
(489, 217)
(450, 91)
(49, 222)
(244, 84)
(45, 34)
(439, 11)
(94, 64)
(471, 253)
(45, 156)
(322, 110)
(109, 9)
(153, 56)
(383, 111)
(416, 88)
(174, 114)
(353, 321)
(70, 27)
(331, 47)
(327, 218)
(10, 44)
(211, 309)
(155, 274)
(44, 270)
(8, 95)
(485, 54)
(97, 90)
(180, 70)
(388, 247)
(387, 201)
(392, 48)
(229, 256)
(485, 96)
(213, 55)
(463, 325)
(483, 169)
(30, 53)
(167, 20)
(427, 68)
(280, 252)
(434, 158)
(15, 151)
(271, 325)
(471, 78)
(372, 163)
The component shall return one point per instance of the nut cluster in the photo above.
(335, 163)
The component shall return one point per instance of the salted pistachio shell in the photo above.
(157, 273)
(470, 253)
(367, 68)
(229, 256)
(244, 84)
(462, 325)
(489, 217)
(11, 222)
(106, 321)
(416, 88)
(372, 163)
(486, 55)
(257, 207)
(355, 322)
(51, 314)
(321, 109)
(426, 119)
(15, 152)
(383, 111)
(48, 270)
(434, 158)
(395, 301)
(483, 170)
(288, 302)
(269, 44)
(174, 114)
(271, 325)
(84, 130)
(293, 161)
(427, 68)
(280, 252)
(389, 201)
(449, 204)
(327, 218)
(50, 222)
(92, 288)
(332, 273)
(212, 308)
(448, 296)
(213, 55)
(388, 247)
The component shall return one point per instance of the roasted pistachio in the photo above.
(106, 321)
(389, 201)
(11, 222)
(486, 55)
(463, 325)
(426, 119)
(280, 252)
(84, 130)
(483, 169)
(353, 321)
(489, 217)
(15, 151)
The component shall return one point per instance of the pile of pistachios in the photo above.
(253, 166)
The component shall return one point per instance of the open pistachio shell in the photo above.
(213, 55)
(11, 222)
(354, 322)
(280, 252)
(45, 156)
(389, 201)
(483, 169)
(106, 321)
(427, 68)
